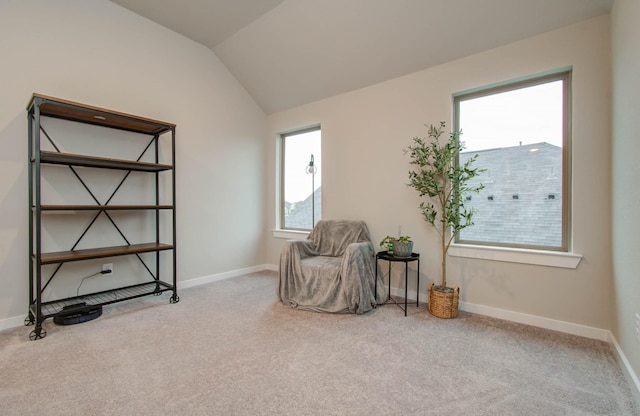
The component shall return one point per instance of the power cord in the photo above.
(91, 275)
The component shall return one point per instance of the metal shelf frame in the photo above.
(41, 105)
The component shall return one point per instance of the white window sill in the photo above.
(291, 234)
(517, 255)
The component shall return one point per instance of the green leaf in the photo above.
(442, 183)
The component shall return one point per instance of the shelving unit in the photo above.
(155, 131)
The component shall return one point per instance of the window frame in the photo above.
(564, 75)
(286, 231)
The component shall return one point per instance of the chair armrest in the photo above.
(363, 248)
(362, 251)
(304, 248)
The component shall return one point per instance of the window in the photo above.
(521, 132)
(301, 179)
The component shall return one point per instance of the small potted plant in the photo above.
(401, 246)
(443, 182)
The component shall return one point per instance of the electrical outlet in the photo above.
(107, 268)
(638, 327)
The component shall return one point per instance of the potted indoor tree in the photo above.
(443, 182)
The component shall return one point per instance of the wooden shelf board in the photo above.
(57, 158)
(74, 111)
(101, 207)
(97, 253)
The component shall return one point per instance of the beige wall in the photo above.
(101, 54)
(626, 176)
(364, 169)
(98, 53)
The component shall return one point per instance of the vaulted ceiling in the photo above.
(291, 52)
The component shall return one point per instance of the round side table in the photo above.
(384, 255)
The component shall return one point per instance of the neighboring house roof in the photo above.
(298, 214)
(522, 199)
(521, 202)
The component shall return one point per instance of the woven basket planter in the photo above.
(443, 304)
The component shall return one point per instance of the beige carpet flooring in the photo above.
(230, 348)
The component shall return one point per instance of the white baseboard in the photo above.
(12, 322)
(411, 294)
(222, 276)
(625, 366)
(533, 320)
(522, 318)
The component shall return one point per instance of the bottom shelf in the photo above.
(107, 297)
